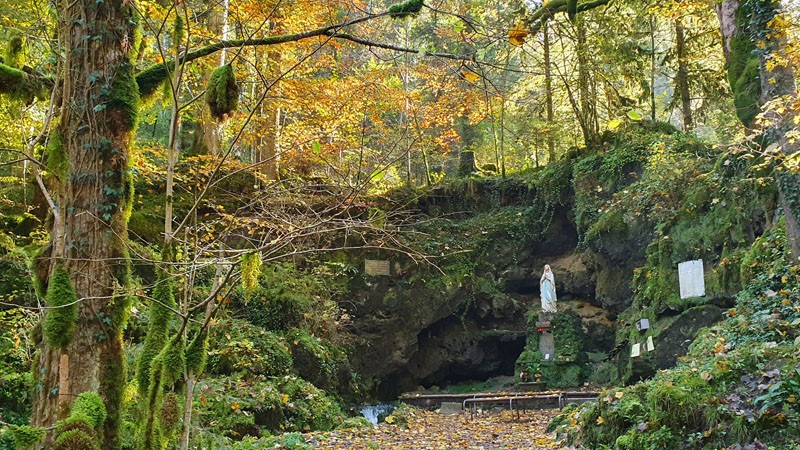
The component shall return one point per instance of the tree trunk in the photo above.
(587, 105)
(682, 77)
(98, 113)
(755, 83)
(548, 87)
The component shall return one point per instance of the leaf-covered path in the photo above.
(432, 431)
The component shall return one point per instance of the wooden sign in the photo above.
(690, 275)
(377, 267)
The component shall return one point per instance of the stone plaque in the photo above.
(376, 267)
(636, 350)
(448, 408)
(547, 345)
(643, 324)
(690, 274)
(650, 346)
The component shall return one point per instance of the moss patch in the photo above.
(222, 93)
(405, 9)
(59, 323)
(124, 99)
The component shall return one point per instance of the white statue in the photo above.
(547, 289)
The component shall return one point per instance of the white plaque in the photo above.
(690, 274)
(376, 267)
(547, 356)
(650, 346)
(643, 324)
(636, 350)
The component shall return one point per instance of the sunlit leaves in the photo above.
(517, 35)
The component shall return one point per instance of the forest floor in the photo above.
(427, 430)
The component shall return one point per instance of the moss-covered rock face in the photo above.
(613, 223)
(739, 380)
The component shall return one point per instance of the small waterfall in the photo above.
(376, 413)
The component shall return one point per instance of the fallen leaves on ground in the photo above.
(433, 431)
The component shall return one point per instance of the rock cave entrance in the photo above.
(454, 350)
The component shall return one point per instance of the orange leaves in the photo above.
(517, 35)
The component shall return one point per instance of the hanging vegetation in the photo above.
(222, 94)
(251, 272)
(15, 52)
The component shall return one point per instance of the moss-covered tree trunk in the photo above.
(751, 46)
(98, 113)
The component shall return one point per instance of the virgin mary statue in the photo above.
(547, 288)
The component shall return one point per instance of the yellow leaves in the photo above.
(284, 399)
(236, 406)
(434, 431)
(600, 420)
(614, 124)
(517, 35)
(470, 76)
(619, 395)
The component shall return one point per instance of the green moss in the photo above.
(466, 163)
(59, 322)
(15, 51)
(178, 31)
(572, 9)
(124, 99)
(150, 79)
(137, 40)
(405, 9)
(743, 68)
(160, 315)
(197, 354)
(57, 161)
(26, 437)
(19, 85)
(74, 422)
(222, 93)
(173, 358)
(91, 406)
(76, 440)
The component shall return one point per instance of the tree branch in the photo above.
(151, 78)
(537, 18)
(23, 84)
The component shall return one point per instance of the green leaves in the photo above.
(634, 115)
